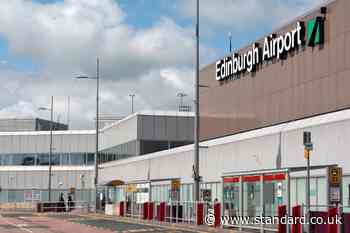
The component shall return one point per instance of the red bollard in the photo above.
(332, 213)
(296, 212)
(161, 212)
(200, 213)
(121, 208)
(150, 210)
(145, 211)
(282, 211)
(217, 214)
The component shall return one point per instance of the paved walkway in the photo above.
(89, 223)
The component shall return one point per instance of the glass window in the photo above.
(321, 191)
(17, 160)
(90, 158)
(8, 160)
(251, 200)
(231, 199)
(346, 193)
(29, 159)
(77, 159)
(301, 191)
(293, 191)
(43, 159)
(55, 160)
(313, 191)
(64, 159)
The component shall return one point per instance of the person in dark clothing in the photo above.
(61, 204)
(103, 202)
(70, 202)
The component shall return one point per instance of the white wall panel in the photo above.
(331, 146)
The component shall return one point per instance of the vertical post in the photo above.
(230, 39)
(68, 112)
(308, 147)
(132, 102)
(97, 129)
(308, 194)
(241, 201)
(50, 153)
(262, 201)
(196, 120)
(288, 200)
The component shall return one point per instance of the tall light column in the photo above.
(97, 128)
(96, 124)
(196, 175)
(181, 95)
(132, 102)
(50, 150)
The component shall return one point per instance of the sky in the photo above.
(145, 47)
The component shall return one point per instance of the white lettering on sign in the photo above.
(274, 47)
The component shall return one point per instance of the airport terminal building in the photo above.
(24, 152)
(260, 100)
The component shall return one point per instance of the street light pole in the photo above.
(50, 150)
(96, 124)
(230, 41)
(181, 95)
(196, 175)
(50, 154)
(132, 102)
(97, 128)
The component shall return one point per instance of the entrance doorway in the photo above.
(258, 194)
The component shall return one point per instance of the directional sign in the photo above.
(306, 154)
(131, 188)
(175, 184)
(335, 176)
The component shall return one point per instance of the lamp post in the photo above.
(97, 78)
(196, 176)
(50, 153)
(230, 41)
(181, 95)
(132, 102)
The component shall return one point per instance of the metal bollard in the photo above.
(282, 211)
(296, 212)
(217, 213)
(200, 213)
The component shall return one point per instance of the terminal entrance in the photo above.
(260, 193)
(253, 195)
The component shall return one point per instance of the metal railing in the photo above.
(64, 207)
(175, 211)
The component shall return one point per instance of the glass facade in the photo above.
(228, 194)
(135, 148)
(29, 195)
(42, 159)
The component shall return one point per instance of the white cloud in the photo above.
(64, 38)
(155, 90)
(67, 37)
(18, 110)
(245, 15)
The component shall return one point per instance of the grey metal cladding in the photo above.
(166, 128)
(40, 143)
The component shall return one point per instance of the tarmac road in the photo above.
(31, 223)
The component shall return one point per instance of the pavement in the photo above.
(89, 223)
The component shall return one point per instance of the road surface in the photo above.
(30, 223)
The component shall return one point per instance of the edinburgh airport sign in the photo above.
(274, 47)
